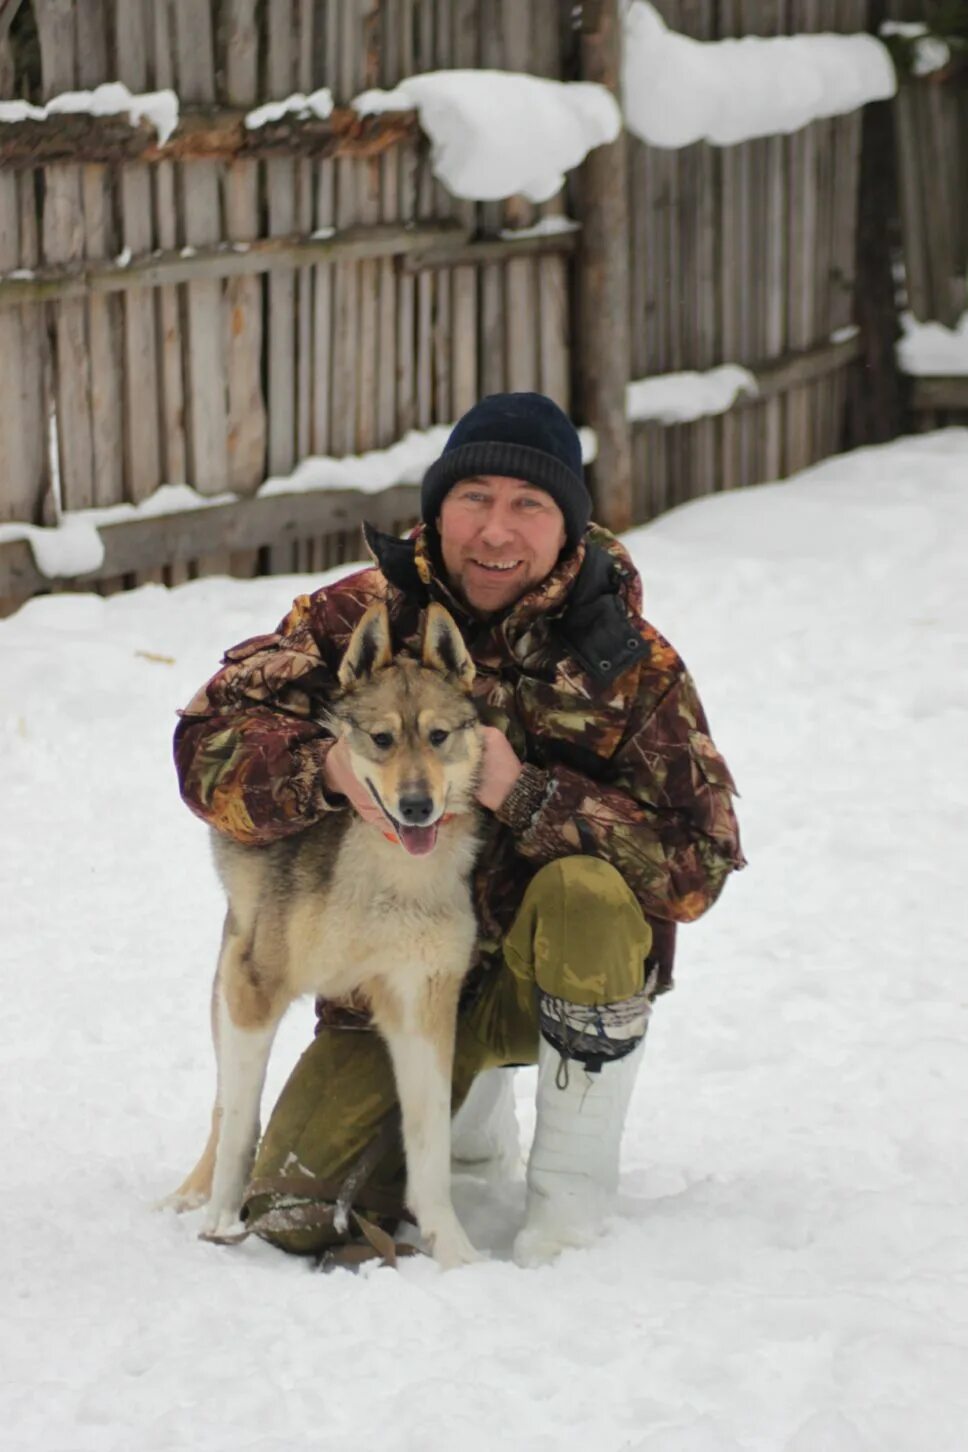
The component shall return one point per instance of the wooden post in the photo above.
(875, 410)
(603, 352)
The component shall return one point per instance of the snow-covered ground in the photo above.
(788, 1267)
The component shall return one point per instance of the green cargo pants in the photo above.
(578, 935)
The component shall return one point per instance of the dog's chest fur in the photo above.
(340, 905)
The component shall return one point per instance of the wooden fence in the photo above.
(218, 309)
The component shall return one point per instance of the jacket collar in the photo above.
(587, 599)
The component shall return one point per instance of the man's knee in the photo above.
(580, 933)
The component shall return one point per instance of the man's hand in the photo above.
(501, 768)
(339, 777)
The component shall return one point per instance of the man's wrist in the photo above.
(333, 798)
(525, 798)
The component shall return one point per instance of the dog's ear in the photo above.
(369, 649)
(444, 649)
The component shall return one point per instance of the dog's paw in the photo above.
(223, 1229)
(182, 1201)
(450, 1248)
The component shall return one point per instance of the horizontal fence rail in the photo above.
(417, 247)
(203, 133)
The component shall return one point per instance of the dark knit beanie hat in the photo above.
(521, 436)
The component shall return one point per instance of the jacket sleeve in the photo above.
(248, 751)
(664, 819)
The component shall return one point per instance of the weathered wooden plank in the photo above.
(305, 170)
(178, 539)
(142, 445)
(24, 474)
(464, 315)
(419, 246)
(443, 205)
(704, 285)
(943, 203)
(100, 241)
(875, 410)
(345, 322)
(204, 133)
(552, 297)
(679, 483)
(730, 264)
(389, 195)
(104, 344)
(367, 60)
(63, 241)
(521, 302)
(281, 318)
(800, 368)
(174, 450)
(408, 161)
(426, 188)
(491, 336)
(603, 302)
(246, 440)
(203, 303)
(23, 481)
(945, 394)
(323, 316)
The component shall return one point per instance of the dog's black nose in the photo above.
(414, 810)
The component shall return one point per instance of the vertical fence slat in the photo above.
(367, 75)
(24, 475)
(406, 283)
(63, 241)
(142, 443)
(280, 188)
(243, 295)
(304, 219)
(491, 334)
(168, 311)
(551, 273)
(424, 376)
(389, 186)
(206, 400)
(104, 321)
(464, 317)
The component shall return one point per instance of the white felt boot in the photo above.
(573, 1168)
(484, 1133)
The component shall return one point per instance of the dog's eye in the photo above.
(438, 737)
(383, 739)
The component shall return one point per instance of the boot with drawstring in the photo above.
(574, 1163)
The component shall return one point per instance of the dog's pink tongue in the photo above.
(418, 840)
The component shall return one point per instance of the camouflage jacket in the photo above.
(586, 690)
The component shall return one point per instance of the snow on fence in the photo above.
(214, 305)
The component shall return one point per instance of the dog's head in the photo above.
(411, 727)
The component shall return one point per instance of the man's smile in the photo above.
(496, 566)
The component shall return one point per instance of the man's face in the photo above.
(498, 538)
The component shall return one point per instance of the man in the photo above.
(608, 820)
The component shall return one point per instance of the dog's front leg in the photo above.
(244, 1044)
(421, 1046)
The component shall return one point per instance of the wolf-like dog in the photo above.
(342, 907)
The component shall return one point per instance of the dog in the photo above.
(344, 908)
